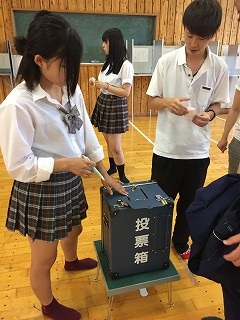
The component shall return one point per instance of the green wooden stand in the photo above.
(133, 282)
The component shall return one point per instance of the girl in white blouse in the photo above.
(110, 114)
(45, 131)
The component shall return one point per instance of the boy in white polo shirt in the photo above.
(188, 87)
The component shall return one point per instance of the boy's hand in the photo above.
(176, 106)
(201, 119)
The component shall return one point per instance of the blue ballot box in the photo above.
(136, 229)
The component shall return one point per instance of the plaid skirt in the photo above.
(233, 155)
(110, 114)
(47, 210)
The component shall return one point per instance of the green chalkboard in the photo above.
(90, 28)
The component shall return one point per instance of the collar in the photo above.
(182, 58)
(38, 93)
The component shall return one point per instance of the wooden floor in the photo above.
(194, 297)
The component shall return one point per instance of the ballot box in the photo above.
(136, 228)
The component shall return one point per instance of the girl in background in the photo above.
(110, 114)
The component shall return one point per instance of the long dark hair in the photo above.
(117, 50)
(49, 35)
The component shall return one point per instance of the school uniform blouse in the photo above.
(33, 133)
(178, 137)
(125, 75)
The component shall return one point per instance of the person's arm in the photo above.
(83, 167)
(202, 118)
(157, 100)
(123, 91)
(233, 256)
(126, 74)
(76, 165)
(109, 182)
(213, 110)
(231, 120)
(174, 105)
(92, 150)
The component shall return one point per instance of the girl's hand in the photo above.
(81, 167)
(222, 144)
(101, 85)
(110, 183)
(92, 81)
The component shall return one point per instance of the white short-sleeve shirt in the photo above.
(178, 137)
(125, 75)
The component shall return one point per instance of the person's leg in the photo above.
(167, 174)
(115, 149)
(194, 177)
(231, 300)
(69, 246)
(43, 256)
(112, 165)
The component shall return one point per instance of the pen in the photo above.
(94, 168)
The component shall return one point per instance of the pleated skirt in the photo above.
(233, 155)
(47, 210)
(110, 114)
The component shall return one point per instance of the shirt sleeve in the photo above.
(17, 134)
(127, 72)
(155, 88)
(221, 93)
(45, 169)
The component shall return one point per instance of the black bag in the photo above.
(213, 216)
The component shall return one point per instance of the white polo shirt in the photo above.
(33, 133)
(237, 127)
(178, 137)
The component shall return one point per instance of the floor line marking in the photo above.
(146, 137)
(150, 141)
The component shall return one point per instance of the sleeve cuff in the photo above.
(45, 169)
(96, 155)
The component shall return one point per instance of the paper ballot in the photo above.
(191, 113)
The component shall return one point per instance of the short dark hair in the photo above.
(117, 50)
(49, 35)
(203, 17)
